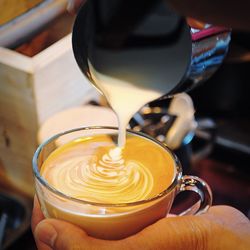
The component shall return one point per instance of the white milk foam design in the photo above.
(111, 180)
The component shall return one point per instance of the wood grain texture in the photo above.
(31, 90)
(18, 125)
(9, 9)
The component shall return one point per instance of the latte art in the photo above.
(95, 170)
(110, 180)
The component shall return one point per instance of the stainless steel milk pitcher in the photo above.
(147, 44)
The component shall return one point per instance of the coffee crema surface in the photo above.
(94, 169)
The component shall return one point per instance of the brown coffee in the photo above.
(94, 169)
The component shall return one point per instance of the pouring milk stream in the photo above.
(131, 67)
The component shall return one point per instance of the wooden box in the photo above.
(31, 90)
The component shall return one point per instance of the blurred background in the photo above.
(40, 83)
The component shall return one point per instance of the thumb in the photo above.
(55, 234)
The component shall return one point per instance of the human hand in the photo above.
(222, 227)
(74, 5)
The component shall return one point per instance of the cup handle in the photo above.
(197, 185)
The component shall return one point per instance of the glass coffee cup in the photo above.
(113, 221)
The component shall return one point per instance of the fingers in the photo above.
(58, 235)
(37, 214)
(187, 232)
(206, 231)
(74, 5)
(229, 218)
(45, 232)
(61, 235)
